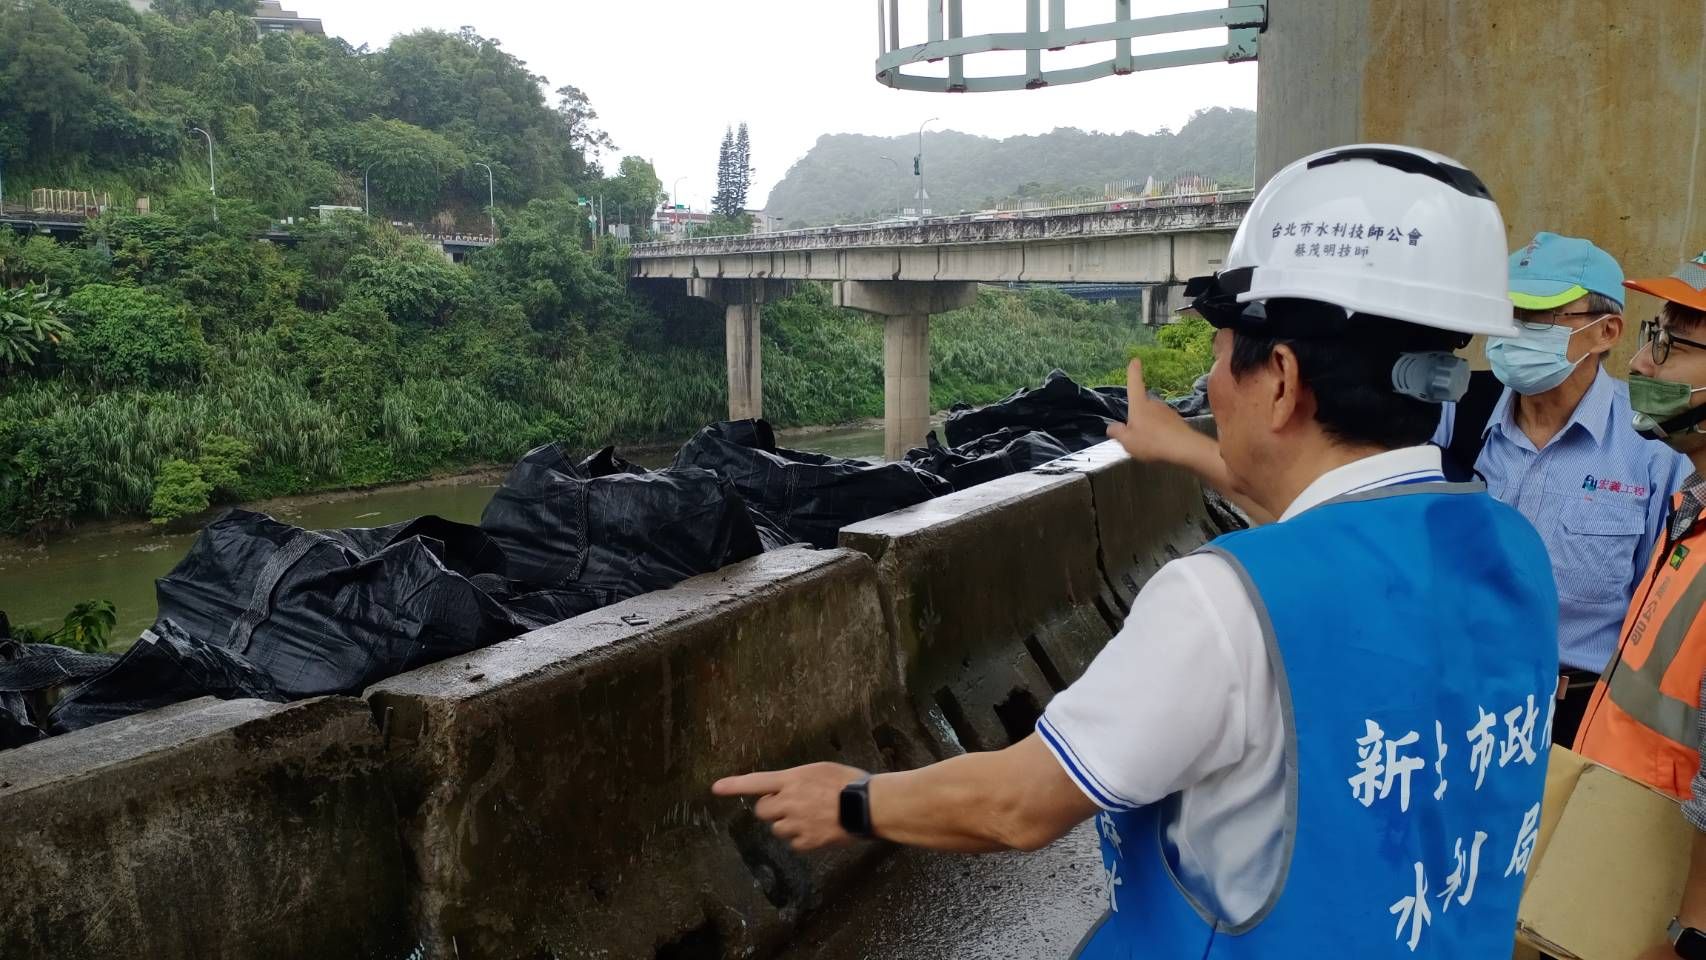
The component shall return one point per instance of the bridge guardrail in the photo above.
(1098, 206)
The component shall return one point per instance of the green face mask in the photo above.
(1662, 405)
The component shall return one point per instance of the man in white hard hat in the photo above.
(1324, 736)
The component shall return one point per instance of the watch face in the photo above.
(1691, 944)
(856, 810)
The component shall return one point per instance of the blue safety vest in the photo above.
(1413, 631)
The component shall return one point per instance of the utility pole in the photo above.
(491, 201)
(918, 166)
(212, 188)
(900, 202)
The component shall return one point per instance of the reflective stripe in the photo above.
(1637, 691)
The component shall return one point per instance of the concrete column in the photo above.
(741, 300)
(746, 366)
(906, 383)
(906, 306)
(1458, 76)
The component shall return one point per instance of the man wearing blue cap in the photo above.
(1558, 446)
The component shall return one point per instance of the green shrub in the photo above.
(87, 627)
(131, 337)
(180, 491)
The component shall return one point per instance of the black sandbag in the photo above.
(165, 666)
(612, 529)
(812, 495)
(211, 587)
(1076, 416)
(28, 673)
(323, 612)
(987, 458)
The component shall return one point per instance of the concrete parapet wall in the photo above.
(1146, 514)
(997, 600)
(207, 829)
(556, 788)
(549, 796)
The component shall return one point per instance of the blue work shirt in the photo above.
(1598, 494)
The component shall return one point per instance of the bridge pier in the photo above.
(905, 306)
(742, 301)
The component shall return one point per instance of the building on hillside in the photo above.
(269, 17)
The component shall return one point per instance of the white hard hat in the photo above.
(1377, 229)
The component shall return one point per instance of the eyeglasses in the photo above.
(1534, 324)
(1659, 340)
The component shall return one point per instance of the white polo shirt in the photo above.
(1183, 700)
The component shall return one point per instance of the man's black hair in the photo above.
(1350, 374)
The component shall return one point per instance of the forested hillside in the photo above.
(844, 177)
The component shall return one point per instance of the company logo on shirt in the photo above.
(1613, 486)
(1677, 557)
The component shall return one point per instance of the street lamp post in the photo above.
(675, 200)
(900, 202)
(212, 187)
(366, 196)
(491, 200)
(918, 165)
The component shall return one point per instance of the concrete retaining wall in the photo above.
(556, 788)
(997, 599)
(206, 829)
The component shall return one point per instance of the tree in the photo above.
(742, 175)
(408, 163)
(577, 114)
(633, 194)
(724, 203)
(43, 61)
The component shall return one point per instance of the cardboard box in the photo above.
(1608, 867)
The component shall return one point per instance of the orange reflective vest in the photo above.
(1644, 716)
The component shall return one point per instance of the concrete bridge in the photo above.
(906, 271)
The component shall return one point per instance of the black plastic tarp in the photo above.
(608, 528)
(1075, 416)
(812, 495)
(164, 666)
(332, 611)
(1006, 451)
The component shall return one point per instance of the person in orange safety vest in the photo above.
(1644, 719)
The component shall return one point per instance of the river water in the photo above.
(38, 584)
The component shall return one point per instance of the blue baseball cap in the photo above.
(1553, 270)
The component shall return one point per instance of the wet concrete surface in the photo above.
(920, 905)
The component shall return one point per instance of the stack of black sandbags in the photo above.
(811, 495)
(1006, 451)
(1075, 416)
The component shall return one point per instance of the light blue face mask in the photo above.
(1535, 361)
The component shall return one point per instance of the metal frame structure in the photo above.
(1244, 21)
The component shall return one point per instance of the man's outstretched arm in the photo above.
(1013, 799)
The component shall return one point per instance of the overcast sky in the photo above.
(667, 76)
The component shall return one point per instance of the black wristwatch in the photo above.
(1688, 942)
(856, 807)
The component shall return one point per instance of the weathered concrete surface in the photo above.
(1544, 100)
(206, 829)
(997, 600)
(919, 905)
(1146, 514)
(556, 787)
